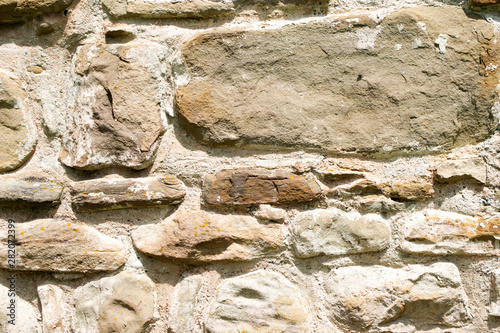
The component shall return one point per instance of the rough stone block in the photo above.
(55, 311)
(61, 246)
(254, 186)
(29, 191)
(261, 301)
(439, 232)
(118, 193)
(333, 232)
(451, 171)
(12, 11)
(26, 315)
(421, 80)
(199, 237)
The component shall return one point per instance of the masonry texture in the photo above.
(227, 166)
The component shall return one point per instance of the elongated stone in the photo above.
(12, 11)
(199, 237)
(26, 191)
(118, 193)
(454, 170)
(421, 80)
(60, 246)
(255, 186)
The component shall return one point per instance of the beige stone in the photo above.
(339, 87)
(361, 298)
(199, 237)
(333, 232)
(270, 213)
(258, 186)
(185, 299)
(379, 204)
(12, 11)
(261, 301)
(405, 189)
(117, 120)
(121, 303)
(61, 246)
(30, 191)
(55, 311)
(26, 314)
(18, 142)
(454, 170)
(118, 193)
(440, 232)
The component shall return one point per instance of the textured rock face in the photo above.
(12, 11)
(200, 237)
(117, 119)
(439, 232)
(26, 191)
(333, 232)
(184, 303)
(62, 246)
(473, 168)
(258, 302)
(359, 297)
(18, 142)
(411, 83)
(247, 186)
(122, 303)
(29, 321)
(55, 313)
(117, 193)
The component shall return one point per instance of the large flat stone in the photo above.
(30, 191)
(121, 303)
(61, 246)
(199, 237)
(254, 186)
(12, 11)
(421, 80)
(361, 298)
(117, 118)
(453, 170)
(261, 301)
(333, 232)
(118, 193)
(18, 142)
(440, 232)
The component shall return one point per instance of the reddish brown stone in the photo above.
(246, 187)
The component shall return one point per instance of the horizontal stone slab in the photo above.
(409, 84)
(333, 232)
(446, 233)
(364, 297)
(119, 193)
(472, 169)
(60, 246)
(26, 191)
(12, 11)
(258, 186)
(199, 237)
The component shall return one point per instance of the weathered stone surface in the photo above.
(261, 301)
(360, 298)
(269, 213)
(117, 193)
(18, 142)
(25, 315)
(344, 88)
(494, 308)
(121, 303)
(184, 302)
(254, 186)
(62, 246)
(484, 2)
(169, 9)
(55, 312)
(29, 191)
(117, 119)
(379, 204)
(439, 232)
(473, 168)
(12, 11)
(400, 189)
(334, 232)
(199, 237)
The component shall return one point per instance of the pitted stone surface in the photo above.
(117, 118)
(419, 81)
(18, 142)
(333, 232)
(118, 193)
(200, 237)
(261, 301)
(12, 11)
(255, 186)
(440, 232)
(30, 191)
(360, 297)
(121, 303)
(61, 246)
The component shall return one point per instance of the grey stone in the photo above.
(32, 191)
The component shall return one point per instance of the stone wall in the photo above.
(249, 166)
